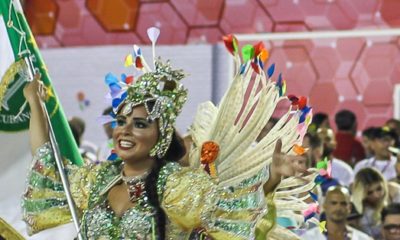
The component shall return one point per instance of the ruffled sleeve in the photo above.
(191, 199)
(44, 203)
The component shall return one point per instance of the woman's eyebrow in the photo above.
(120, 116)
(140, 119)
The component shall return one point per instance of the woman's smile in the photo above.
(125, 144)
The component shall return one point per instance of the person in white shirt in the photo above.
(337, 207)
(382, 160)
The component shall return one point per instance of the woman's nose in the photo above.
(126, 129)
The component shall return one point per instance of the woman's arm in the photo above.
(44, 203)
(38, 127)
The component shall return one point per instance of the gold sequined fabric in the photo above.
(189, 197)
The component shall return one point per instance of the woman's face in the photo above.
(134, 136)
(375, 194)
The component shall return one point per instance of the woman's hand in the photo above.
(35, 90)
(284, 165)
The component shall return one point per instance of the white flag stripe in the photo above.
(6, 52)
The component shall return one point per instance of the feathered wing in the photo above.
(234, 125)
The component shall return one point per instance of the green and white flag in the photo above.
(17, 46)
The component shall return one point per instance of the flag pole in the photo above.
(57, 154)
(64, 179)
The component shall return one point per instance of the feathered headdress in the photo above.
(159, 90)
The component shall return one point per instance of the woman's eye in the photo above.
(140, 125)
(120, 122)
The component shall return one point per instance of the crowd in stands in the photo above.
(362, 199)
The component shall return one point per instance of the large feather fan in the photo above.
(235, 124)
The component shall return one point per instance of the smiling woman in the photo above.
(144, 193)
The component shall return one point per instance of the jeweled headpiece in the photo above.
(159, 90)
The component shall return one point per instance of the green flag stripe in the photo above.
(63, 133)
(66, 142)
(13, 36)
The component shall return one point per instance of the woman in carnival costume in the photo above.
(145, 193)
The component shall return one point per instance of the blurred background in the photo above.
(354, 73)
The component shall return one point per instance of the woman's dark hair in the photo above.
(175, 152)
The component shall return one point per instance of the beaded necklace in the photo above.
(136, 185)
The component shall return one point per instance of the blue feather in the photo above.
(271, 70)
(313, 196)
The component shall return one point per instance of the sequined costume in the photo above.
(189, 198)
(221, 192)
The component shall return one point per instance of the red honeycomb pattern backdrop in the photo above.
(356, 73)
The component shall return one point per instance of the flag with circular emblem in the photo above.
(18, 50)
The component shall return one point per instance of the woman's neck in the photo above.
(137, 168)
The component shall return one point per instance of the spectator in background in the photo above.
(382, 160)
(87, 149)
(348, 148)
(320, 120)
(366, 138)
(106, 147)
(394, 124)
(337, 208)
(390, 217)
(342, 173)
(371, 193)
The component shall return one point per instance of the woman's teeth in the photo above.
(125, 144)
